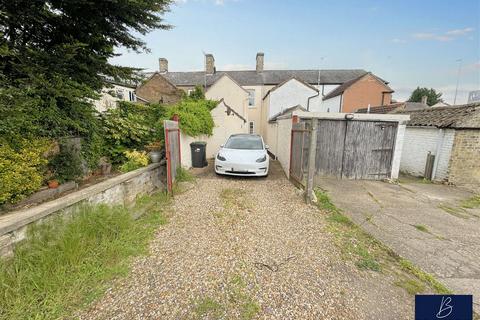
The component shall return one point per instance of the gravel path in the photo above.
(248, 249)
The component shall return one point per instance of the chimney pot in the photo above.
(209, 64)
(260, 61)
(424, 99)
(163, 65)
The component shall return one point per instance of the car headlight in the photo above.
(219, 157)
(262, 159)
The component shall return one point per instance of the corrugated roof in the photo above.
(394, 107)
(461, 117)
(267, 77)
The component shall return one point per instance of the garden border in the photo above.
(122, 189)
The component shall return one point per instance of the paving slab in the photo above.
(423, 222)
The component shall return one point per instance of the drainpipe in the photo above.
(441, 136)
(308, 100)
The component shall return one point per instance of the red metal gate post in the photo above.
(167, 156)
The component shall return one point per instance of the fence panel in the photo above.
(172, 150)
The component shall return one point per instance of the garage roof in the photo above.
(465, 116)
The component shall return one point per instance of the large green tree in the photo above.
(433, 96)
(54, 56)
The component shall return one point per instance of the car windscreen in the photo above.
(244, 142)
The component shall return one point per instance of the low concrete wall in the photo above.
(120, 190)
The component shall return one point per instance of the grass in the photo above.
(208, 307)
(457, 212)
(412, 286)
(370, 254)
(422, 228)
(184, 175)
(236, 304)
(471, 203)
(66, 263)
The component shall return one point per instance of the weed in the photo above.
(457, 212)
(184, 175)
(370, 254)
(423, 276)
(66, 263)
(208, 306)
(411, 285)
(422, 228)
(471, 203)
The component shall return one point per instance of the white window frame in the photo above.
(189, 92)
(251, 127)
(251, 91)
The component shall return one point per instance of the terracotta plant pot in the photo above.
(53, 184)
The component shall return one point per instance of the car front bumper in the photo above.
(242, 169)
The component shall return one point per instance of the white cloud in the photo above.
(446, 36)
(459, 32)
(397, 40)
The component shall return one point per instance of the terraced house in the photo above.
(260, 95)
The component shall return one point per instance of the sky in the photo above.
(408, 43)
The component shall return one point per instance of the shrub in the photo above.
(136, 159)
(21, 169)
(67, 164)
(131, 126)
(195, 117)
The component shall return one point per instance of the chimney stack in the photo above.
(260, 60)
(424, 99)
(163, 65)
(209, 64)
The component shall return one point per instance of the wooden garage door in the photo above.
(368, 150)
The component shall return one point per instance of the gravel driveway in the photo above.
(248, 249)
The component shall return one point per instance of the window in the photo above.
(251, 127)
(131, 96)
(189, 92)
(251, 97)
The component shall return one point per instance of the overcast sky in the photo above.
(408, 43)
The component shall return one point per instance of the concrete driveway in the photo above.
(422, 222)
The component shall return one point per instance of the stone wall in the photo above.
(465, 160)
(120, 190)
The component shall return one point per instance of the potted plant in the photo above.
(53, 184)
(154, 148)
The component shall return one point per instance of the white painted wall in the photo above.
(109, 97)
(225, 125)
(331, 105)
(290, 94)
(284, 129)
(227, 89)
(397, 153)
(418, 142)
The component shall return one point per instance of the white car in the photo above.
(243, 155)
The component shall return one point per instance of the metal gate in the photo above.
(172, 150)
(345, 149)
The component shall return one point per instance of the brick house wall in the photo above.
(368, 90)
(159, 89)
(464, 163)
